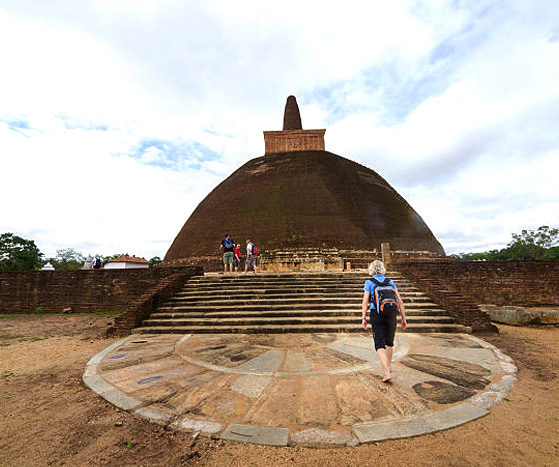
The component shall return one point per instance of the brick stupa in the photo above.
(300, 196)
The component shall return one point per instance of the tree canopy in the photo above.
(67, 259)
(540, 243)
(18, 254)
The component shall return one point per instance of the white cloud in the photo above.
(118, 117)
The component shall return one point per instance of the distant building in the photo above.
(126, 262)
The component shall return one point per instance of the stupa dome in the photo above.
(300, 196)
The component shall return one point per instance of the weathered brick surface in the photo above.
(294, 140)
(82, 290)
(520, 283)
(139, 309)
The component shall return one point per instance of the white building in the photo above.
(126, 262)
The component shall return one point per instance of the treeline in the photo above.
(20, 254)
(540, 243)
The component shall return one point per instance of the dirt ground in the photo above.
(48, 416)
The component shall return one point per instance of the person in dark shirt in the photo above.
(228, 246)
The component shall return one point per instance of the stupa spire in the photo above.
(293, 137)
(291, 116)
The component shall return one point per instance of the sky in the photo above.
(117, 117)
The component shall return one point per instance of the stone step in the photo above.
(282, 305)
(258, 282)
(285, 303)
(272, 313)
(278, 294)
(242, 321)
(319, 300)
(302, 328)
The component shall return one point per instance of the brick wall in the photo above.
(293, 140)
(82, 290)
(520, 283)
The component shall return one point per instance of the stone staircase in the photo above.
(285, 303)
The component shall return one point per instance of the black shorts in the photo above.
(384, 328)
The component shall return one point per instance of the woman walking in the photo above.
(382, 299)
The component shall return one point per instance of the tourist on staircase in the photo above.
(237, 257)
(382, 299)
(228, 246)
(251, 256)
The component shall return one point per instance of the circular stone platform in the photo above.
(318, 390)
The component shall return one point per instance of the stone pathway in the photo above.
(319, 390)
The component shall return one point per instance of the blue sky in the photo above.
(118, 117)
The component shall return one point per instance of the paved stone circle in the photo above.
(315, 390)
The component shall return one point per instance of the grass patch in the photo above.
(5, 344)
(32, 339)
(103, 312)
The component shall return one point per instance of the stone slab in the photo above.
(296, 361)
(487, 400)
(154, 414)
(206, 427)
(251, 386)
(520, 316)
(373, 432)
(454, 416)
(97, 384)
(435, 421)
(256, 435)
(268, 361)
(96, 359)
(121, 400)
(368, 355)
(319, 438)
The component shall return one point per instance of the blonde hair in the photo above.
(377, 267)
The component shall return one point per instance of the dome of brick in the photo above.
(303, 199)
(300, 196)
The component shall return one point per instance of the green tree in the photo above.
(529, 244)
(155, 261)
(533, 244)
(18, 254)
(67, 259)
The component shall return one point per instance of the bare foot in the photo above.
(387, 377)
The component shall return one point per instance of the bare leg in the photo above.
(383, 357)
(389, 353)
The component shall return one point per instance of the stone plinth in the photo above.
(293, 140)
(303, 259)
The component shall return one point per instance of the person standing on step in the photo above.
(250, 262)
(382, 299)
(237, 257)
(228, 246)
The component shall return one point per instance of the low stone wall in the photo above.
(141, 308)
(510, 283)
(83, 290)
(301, 260)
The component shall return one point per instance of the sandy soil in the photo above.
(48, 416)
